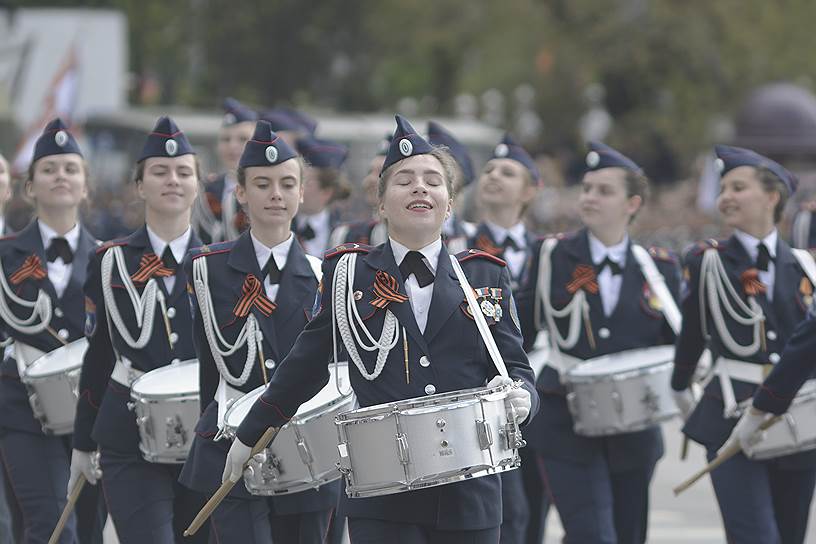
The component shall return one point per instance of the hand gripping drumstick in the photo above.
(227, 486)
(69, 507)
(724, 456)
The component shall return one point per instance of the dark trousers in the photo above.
(761, 502)
(538, 501)
(374, 531)
(37, 468)
(250, 521)
(146, 502)
(515, 511)
(598, 505)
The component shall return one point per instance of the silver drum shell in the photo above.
(428, 441)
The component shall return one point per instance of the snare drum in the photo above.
(794, 432)
(166, 403)
(429, 441)
(621, 392)
(304, 453)
(52, 382)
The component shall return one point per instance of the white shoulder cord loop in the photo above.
(250, 334)
(575, 309)
(344, 304)
(717, 289)
(40, 309)
(144, 305)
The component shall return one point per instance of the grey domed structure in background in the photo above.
(779, 120)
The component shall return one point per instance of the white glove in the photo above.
(82, 464)
(685, 402)
(519, 398)
(745, 432)
(239, 454)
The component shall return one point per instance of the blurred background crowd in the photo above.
(661, 80)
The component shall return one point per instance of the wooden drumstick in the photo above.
(69, 507)
(684, 448)
(724, 456)
(227, 486)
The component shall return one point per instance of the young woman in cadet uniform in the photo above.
(263, 282)
(125, 341)
(445, 352)
(217, 215)
(46, 261)
(600, 484)
(762, 293)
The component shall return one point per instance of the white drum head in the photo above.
(240, 408)
(624, 361)
(179, 379)
(67, 357)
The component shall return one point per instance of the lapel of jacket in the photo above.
(29, 242)
(447, 296)
(382, 258)
(73, 296)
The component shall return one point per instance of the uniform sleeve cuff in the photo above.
(767, 401)
(261, 416)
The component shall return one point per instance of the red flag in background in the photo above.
(60, 101)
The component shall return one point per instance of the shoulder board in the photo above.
(211, 249)
(112, 243)
(8, 237)
(346, 248)
(662, 254)
(703, 245)
(479, 254)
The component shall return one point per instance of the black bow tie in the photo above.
(413, 264)
(613, 266)
(272, 271)
(763, 257)
(59, 248)
(509, 243)
(306, 232)
(168, 259)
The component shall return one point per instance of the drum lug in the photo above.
(36, 407)
(402, 449)
(175, 433)
(512, 432)
(572, 404)
(344, 464)
(616, 398)
(131, 406)
(144, 424)
(305, 454)
(484, 433)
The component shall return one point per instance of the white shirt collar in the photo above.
(47, 234)
(318, 221)
(517, 233)
(178, 247)
(280, 252)
(750, 243)
(598, 251)
(430, 252)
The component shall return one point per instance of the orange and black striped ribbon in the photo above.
(583, 277)
(214, 204)
(252, 295)
(151, 265)
(386, 290)
(484, 243)
(31, 268)
(751, 283)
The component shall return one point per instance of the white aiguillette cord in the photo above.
(481, 323)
